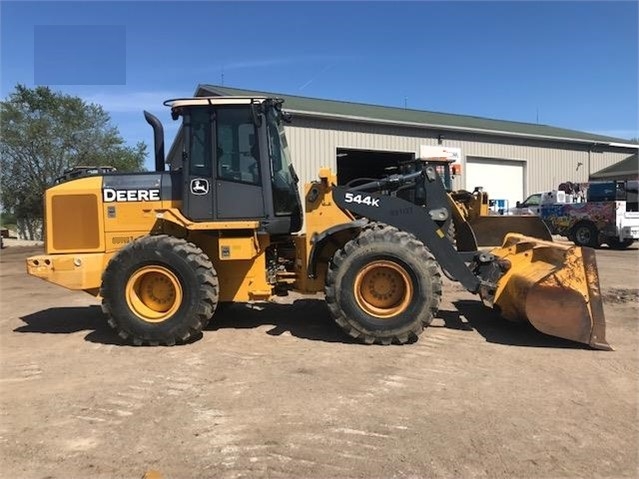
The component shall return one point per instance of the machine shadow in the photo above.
(68, 320)
(496, 329)
(304, 318)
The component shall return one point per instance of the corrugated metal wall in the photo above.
(314, 141)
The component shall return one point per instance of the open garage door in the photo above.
(352, 163)
(501, 179)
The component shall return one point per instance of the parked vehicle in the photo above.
(530, 206)
(609, 216)
(566, 192)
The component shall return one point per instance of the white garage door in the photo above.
(501, 179)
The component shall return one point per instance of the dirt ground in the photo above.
(278, 391)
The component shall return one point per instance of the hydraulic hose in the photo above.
(390, 182)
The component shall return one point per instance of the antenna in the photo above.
(405, 102)
(222, 76)
(538, 115)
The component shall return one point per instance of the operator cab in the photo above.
(236, 163)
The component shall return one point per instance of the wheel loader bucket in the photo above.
(491, 230)
(553, 286)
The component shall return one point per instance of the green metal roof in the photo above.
(627, 167)
(415, 117)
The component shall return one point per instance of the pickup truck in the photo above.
(532, 204)
(609, 216)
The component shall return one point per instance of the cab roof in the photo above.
(215, 100)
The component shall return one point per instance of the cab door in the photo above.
(222, 171)
(198, 194)
(239, 189)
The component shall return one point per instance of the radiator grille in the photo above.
(74, 222)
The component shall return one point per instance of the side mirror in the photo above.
(518, 204)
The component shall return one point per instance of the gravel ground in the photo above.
(277, 391)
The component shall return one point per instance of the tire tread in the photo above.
(194, 257)
(376, 233)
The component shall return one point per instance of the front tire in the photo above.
(159, 290)
(383, 287)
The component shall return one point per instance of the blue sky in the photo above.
(574, 64)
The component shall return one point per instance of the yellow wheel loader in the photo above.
(164, 249)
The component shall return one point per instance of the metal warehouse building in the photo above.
(627, 169)
(510, 160)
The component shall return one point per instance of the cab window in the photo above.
(602, 191)
(237, 152)
(200, 137)
(532, 200)
(285, 195)
(632, 196)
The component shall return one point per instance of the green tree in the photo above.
(7, 219)
(43, 133)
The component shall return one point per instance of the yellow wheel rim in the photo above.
(383, 289)
(154, 293)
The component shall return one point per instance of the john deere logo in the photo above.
(199, 186)
(110, 195)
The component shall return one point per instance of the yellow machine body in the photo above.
(321, 214)
(83, 234)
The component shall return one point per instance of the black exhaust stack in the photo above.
(158, 140)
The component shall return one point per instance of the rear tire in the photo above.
(383, 287)
(615, 243)
(586, 234)
(159, 290)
